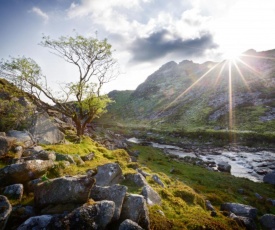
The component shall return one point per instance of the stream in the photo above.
(250, 165)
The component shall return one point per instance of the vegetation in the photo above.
(80, 100)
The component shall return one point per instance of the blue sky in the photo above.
(145, 33)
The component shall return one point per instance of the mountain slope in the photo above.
(233, 94)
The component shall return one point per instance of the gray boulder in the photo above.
(14, 192)
(115, 193)
(5, 211)
(64, 157)
(224, 167)
(143, 173)
(137, 179)
(29, 151)
(5, 144)
(89, 216)
(88, 157)
(42, 155)
(246, 222)
(20, 214)
(150, 195)
(24, 137)
(24, 172)
(158, 180)
(268, 221)
(129, 225)
(135, 209)
(269, 178)
(45, 131)
(63, 190)
(36, 222)
(240, 209)
(108, 174)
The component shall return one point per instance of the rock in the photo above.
(42, 155)
(64, 157)
(150, 195)
(18, 151)
(129, 225)
(240, 209)
(135, 209)
(24, 172)
(209, 206)
(157, 180)
(89, 216)
(240, 191)
(36, 222)
(88, 157)
(246, 222)
(5, 211)
(32, 184)
(2, 134)
(45, 131)
(269, 178)
(63, 190)
(14, 192)
(5, 144)
(19, 214)
(271, 201)
(115, 193)
(145, 174)
(137, 179)
(268, 221)
(59, 208)
(224, 167)
(108, 174)
(29, 151)
(78, 160)
(22, 137)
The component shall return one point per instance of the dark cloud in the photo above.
(157, 45)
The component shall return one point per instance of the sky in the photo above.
(144, 34)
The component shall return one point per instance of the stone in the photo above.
(42, 155)
(14, 192)
(88, 157)
(143, 173)
(5, 144)
(240, 209)
(137, 179)
(269, 178)
(21, 136)
(209, 206)
(78, 160)
(5, 211)
(59, 208)
(94, 216)
(29, 151)
(23, 172)
(32, 184)
(246, 222)
(45, 131)
(115, 193)
(158, 180)
(36, 222)
(64, 157)
(63, 190)
(129, 225)
(18, 151)
(150, 195)
(224, 167)
(108, 174)
(20, 214)
(135, 209)
(268, 221)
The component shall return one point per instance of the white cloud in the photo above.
(40, 13)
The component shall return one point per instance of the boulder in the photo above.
(240, 209)
(42, 155)
(36, 222)
(78, 160)
(88, 157)
(224, 167)
(45, 131)
(63, 190)
(29, 151)
(145, 174)
(115, 193)
(89, 216)
(158, 180)
(129, 225)
(24, 172)
(137, 179)
(24, 137)
(135, 209)
(14, 192)
(5, 211)
(19, 214)
(150, 195)
(108, 174)
(5, 144)
(246, 222)
(269, 178)
(64, 157)
(268, 221)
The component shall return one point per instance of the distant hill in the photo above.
(233, 94)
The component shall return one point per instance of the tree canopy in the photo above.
(81, 99)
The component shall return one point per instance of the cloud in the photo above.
(40, 13)
(163, 43)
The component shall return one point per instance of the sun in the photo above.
(232, 55)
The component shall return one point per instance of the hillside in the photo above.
(230, 95)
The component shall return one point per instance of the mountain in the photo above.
(233, 94)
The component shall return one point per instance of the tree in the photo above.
(80, 100)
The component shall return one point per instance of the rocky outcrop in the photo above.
(240, 209)
(135, 209)
(270, 178)
(108, 174)
(137, 179)
(24, 172)
(5, 211)
(21, 136)
(63, 190)
(268, 221)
